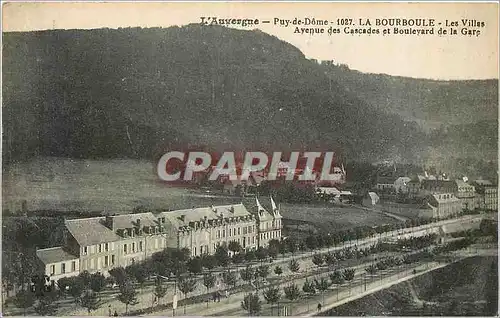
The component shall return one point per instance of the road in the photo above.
(145, 296)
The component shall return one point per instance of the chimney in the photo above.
(109, 222)
(213, 208)
(138, 221)
(182, 218)
(231, 209)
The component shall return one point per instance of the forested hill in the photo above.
(132, 92)
(433, 104)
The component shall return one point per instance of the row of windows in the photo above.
(100, 262)
(64, 270)
(133, 247)
(236, 231)
(269, 235)
(103, 247)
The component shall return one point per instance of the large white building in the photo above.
(102, 243)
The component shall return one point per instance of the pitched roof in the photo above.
(54, 255)
(90, 231)
(260, 208)
(211, 213)
(130, 220)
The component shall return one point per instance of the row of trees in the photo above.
(252, 304)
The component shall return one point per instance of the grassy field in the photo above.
(117, 186)
(333, 218)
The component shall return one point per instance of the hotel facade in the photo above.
(102, 243)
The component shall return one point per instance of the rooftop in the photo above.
(184, 217)
(91, 231)
(54, 255)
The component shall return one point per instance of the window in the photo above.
(106, 260)
(85, 250)
(112, 260)
(223, 233)
(218, 234)
(92, 264)
(100, 248)
(133, 247)
(140, 246)
(52, 270)
(194, 251)
(238, 231)
(106, 247)
(201, 249)
(125, 248)
(63, 268)
(73, 266)
(156, 243)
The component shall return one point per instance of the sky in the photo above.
(434, 57)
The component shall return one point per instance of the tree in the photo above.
(274, 248)
(208, 282)
(261, 253)
(322, 285)
(46, 306)
(330, 259)
(293, 266)
(195, 265)
(229, 278)
(119, 274)
(372, 269)
(309, 287)
(337, 277)
(97, 282)
(89, 301)
(85, 277)
(349, 274)
(186, 286)
(160, 290)
(76, 288)
(234, 246)
(292, 293)
(128, 295)
(209, 261)
(221, 254)
(238, 258)
(263, 271)
(272, 296)
(64, 284)
(278, 270)
(250, 256)
(318, 260)
(24, 299)
(252, 304)
(247, 274)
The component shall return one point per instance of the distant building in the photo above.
(385, 184)
(466, 193)
(57, 263)
(401, 184)
(486, 195)
(443, 205)
(437, 186)
(371, 199)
